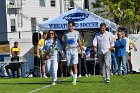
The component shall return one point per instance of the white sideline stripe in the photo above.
(45, 87)
(39, 89)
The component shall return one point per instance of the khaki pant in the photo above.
(104, 60)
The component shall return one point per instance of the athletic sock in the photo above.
(72, 77)
(75, 77)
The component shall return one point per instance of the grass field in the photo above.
(93, 84)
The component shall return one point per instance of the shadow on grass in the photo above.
(90, 81)
(32, 83)
(63, 82)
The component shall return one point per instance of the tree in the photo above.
(127, 12)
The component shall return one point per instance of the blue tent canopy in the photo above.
(83, 20)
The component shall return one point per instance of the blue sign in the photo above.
(77, 25)
(76, 17)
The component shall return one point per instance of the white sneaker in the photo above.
(53, 83)
(44, 76)
(80, 75)
(89, 74)
(107, 81)
(55, 80)
(86, 75)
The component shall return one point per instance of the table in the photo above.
(7, 61)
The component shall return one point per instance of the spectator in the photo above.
(82, 60)
(88, 62)
(131, 46)
(15, 51)
(63, 66)
(36, 61)
(40, 54)
(120, 52)
(62, 60)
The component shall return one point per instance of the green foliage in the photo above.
(127, 11)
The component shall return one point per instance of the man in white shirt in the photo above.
(105, 43)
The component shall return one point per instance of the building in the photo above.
(3, 22)
(69, 4)
(19, 18)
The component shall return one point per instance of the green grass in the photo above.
(92, 84)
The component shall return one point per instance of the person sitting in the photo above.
(15, 51)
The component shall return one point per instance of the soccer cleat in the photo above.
(74, 83)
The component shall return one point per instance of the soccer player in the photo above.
(71, 40)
